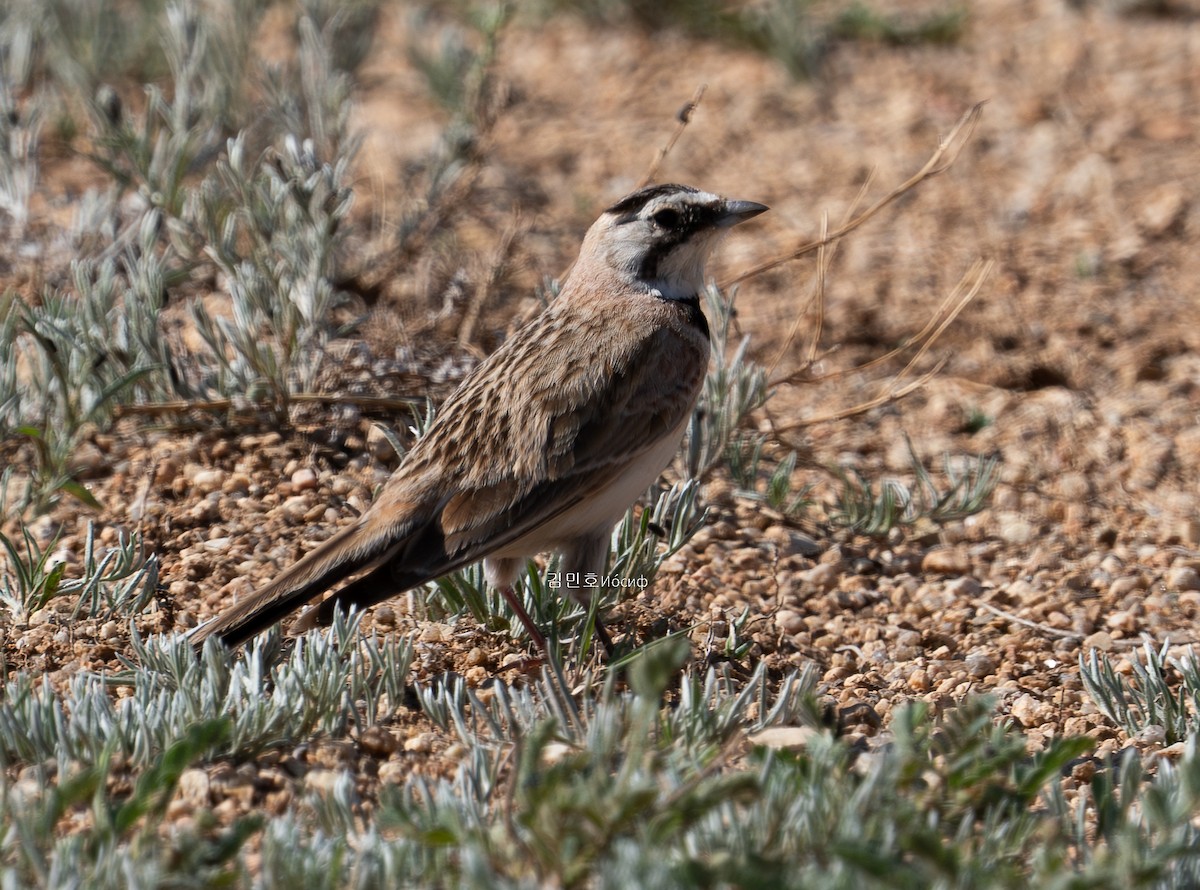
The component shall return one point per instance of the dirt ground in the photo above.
(1080, 184)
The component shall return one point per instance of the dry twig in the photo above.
(683, 118)
(488, 283)
(956, 302)
(817, 297)
(940, 161)
(1076, 635)
(185, 406)
(855, 410)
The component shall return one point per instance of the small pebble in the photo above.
(295, 507)
(946, 561)
(433, 632)
(476, 656)
(304, 479)
(1189, 532)
(1183, 578)
(980, 665)
(1152, 735)
(823, 576)
(1028, 711)
(165, 472)
(378, 741)
(789, 622)
(208, 481)
(1017, 531)
(964, 588)
(194, 787)
(322, 781)
(393, 772)
(421, 743)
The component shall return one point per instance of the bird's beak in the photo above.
(736, 212)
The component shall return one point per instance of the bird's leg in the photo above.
(586, 557)
(517, 606)
(501, 574)
(514, 601)
(603, 636)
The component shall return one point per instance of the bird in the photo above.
(548, 441)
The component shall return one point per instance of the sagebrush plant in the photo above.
(273, 223)
(228, 171)
(1162, 693)
(757, 481)
(659, 780)
(456, 59)
(111, 582)
(80, 357)
(78, 354)
(875, 508)
(156, 153)
(328, 684)
(860, 21)
(20, 128)
(270, 219)
(122, 846)
(734, 387)
(277, 247)
(799, 34)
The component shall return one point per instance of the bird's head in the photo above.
(661, 236)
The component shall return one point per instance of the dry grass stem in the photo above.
(862, 408)
(960, 297)
(682, 118)
(824, 259)
(936, 320)
(941, 160)
(185, 406)
(958, 300)
(489, 282)
(1049, 631)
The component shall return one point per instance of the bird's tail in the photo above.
(349, 551)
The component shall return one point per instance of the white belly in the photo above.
(597, 515)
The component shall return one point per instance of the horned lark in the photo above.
(550, 439)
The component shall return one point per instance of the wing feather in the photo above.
(589, 441)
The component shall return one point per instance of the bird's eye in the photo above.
(667, 218)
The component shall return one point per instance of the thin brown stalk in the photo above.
(880, 359)
(817, 296)
(185, 406)
(488, 283)
(1025, 622)
(943, 157)
(824, 257)
(959, 298)
(1079, 637)
(979, 272)
(862, 408)
(682, 119)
